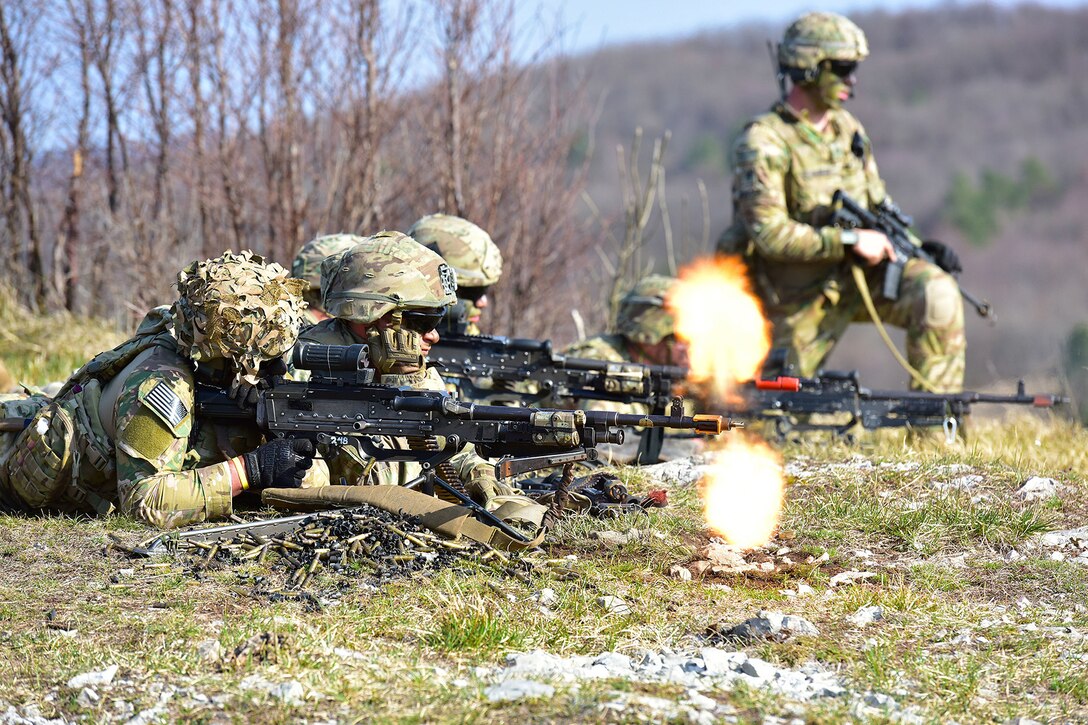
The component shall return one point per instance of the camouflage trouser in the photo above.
(929, 308)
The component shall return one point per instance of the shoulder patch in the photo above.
(165, 403)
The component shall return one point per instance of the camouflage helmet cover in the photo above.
(307, 263)
(239, 308)
(466, 247)
(642, 316)
(384, 272)
(816, 37)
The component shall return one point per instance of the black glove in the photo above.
(943, 255)
(282, 462)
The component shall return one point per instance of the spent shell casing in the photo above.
(254, 552)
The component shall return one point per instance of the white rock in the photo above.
(291, 692)
(517, 690)
(1037, 488)
(720, 662)
(849, 577)
(1057, 556)
(614, 605)
(880, 700)
(679, 473)
(865, 616)
(700, 701)
(803, 589)
(761, 669)
(545, 597)
(613, 661)
(1077, 538)
(87, 697)
(348, 654)
(611, 538)
(99, 678)
(680, 572)
(209, 650)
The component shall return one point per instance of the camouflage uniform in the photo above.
(388, 272)
(468, 249)
(641, 320)
(785, 174)
(307, 267)
(122, 434)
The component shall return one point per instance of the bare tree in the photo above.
(18, 27)
(67, 252)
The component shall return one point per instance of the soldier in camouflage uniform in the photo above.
(787, 165)
(122, 433)
(307, 267)
(645, 333)
(390, 292)
(468, 249)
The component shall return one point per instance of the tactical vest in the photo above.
(64, 459)
(818, 165)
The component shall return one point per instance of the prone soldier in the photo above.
(307, 267)
(390, 292)
(474, 257)
(645, 333)
(122, 434)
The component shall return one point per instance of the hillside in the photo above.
(954, 91)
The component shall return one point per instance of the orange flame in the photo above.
(722, 322)
(742, 491)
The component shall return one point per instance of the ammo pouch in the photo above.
(39, 465)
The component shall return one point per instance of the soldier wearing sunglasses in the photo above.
(787, 164)
(390, 292)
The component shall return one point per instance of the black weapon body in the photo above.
(529, 372)
(889, 220)
(789, 401)
(339, 406)
(465, 359)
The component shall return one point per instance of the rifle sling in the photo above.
(867, 298)
(443, 518)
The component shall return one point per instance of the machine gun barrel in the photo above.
(835, 392)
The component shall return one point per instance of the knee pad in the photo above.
(943, 305)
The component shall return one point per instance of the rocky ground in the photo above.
(901, 586)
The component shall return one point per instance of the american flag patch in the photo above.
(166, 403)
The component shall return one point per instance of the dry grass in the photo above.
(40, 349)
(417, 643)
(970, 633)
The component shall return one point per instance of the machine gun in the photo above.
(889, 220)
(788, 401)
(528, 372)
(340, 406)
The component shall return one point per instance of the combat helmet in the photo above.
(239, 308)
(385, 272)
(307, 263)
(467, 248)
(816, 37)
(642, 316)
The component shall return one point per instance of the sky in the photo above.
(592, 24)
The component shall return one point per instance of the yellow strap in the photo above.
(863, 287)
(437, 515)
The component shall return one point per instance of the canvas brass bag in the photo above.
(39, 465)
(443, 518)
